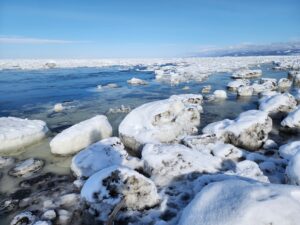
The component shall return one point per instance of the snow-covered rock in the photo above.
(81, 135)
(220, 94)
(165, 162)
(16, 133)
(26, 167)
(284, 83)
(297, 79)
(234, 85)
(288, 150)
(278, 103)
(246, 74)
(292, 74)
(245, 91)
(162, 121)
(113, 186)
(103, 154)
(293, 169)
(136, 81)
(270, 144)
(292, 121)
(239, 202)
(27, 218)
(249, 130)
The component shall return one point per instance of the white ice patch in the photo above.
(81, 135)
(289, 150)
(16, 133)
(293, 169)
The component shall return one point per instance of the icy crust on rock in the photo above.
(246, 74)
(109, 187)
(161, 121)
(16, 133)
(103, 154)
(81, 135)
(287, 151)
(245, 91)
(249, 130)
(293, 169)
(292, 120)
(234, 85)
(165, 162)
(278, 103)
(239, 202)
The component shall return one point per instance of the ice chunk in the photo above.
(234, 85)
(221, 94)
(289, 150)
(16, 133)
(26, 167)
(239, 202)
(81, 135)
(166, 162)
(292, 120)
(293, 169)
(114, 185)
(249, 130)
(245, 91)
(284, 83)
(103, 154)
(246, 74)
(136, 81)
(161, 121)
(278, 103)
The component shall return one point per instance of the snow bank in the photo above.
(81, 135)
(238, 202)
(103, 154)
(249, 130)
(166, 162)
(16, 133)
(161, 121)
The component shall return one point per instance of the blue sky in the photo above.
(137, 28)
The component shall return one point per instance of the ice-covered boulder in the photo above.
(16, 133)
(292, 121)
(115, 186)
(165, 162)
(293, 169)
(246, 74)
(245, 91)
(288, 150)
(234, 85)
(220, 94)
(239, 202)
(278, 103)
(249, 130)
(284, 83)
(161, 121)
(103, 154)
(81, 135)
(136, 81)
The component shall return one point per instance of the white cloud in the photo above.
(34, 41)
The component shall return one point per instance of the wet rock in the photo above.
(121, 109)
(68, 200)
(49, 214)
(64, 217)
(26, 167)
(161, 121)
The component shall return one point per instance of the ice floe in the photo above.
(234, 85)
(81, 135)
(220, 94)
(246, 74)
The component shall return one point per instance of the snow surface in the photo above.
(238, 202)
(16, 133)
(81, 135)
